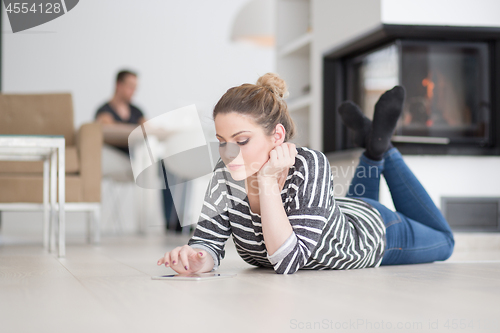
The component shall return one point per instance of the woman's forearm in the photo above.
(276, 227)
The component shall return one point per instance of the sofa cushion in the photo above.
(29, 188)
(36, 167)
(38, 114)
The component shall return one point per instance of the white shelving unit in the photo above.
(294, 37)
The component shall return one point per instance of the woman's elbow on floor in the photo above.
(282, 272)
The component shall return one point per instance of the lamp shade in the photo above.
(255, 23)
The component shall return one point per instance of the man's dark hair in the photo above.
(120, 77)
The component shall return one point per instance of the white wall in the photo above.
(481, 13)
(335, 23)
(181, 50)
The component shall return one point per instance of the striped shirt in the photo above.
(328, 232)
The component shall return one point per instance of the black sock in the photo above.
(387, 112)
(354, 119)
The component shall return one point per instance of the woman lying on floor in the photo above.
(277, 200)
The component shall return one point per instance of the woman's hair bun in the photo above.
(274, 83)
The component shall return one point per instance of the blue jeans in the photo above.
(417, 232)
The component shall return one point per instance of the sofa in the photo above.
(52, 114)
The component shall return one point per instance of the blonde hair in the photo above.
(263, 101)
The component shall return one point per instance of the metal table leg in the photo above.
(62, 199)
(53, 194)
(46, 228)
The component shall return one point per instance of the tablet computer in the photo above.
(193, 276)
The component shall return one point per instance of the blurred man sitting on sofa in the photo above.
(119, 117)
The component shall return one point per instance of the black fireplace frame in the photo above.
(335, 83)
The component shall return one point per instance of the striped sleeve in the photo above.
(213, 228)
(307, 213)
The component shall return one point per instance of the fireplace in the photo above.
(452, 82)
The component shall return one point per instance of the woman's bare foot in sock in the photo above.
(355, 120)
(387, 112)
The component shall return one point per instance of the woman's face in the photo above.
(243, 146)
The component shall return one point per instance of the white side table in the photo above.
(47, 148)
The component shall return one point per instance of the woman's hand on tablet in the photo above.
(185, 259)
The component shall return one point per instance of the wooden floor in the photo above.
(108, 288)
